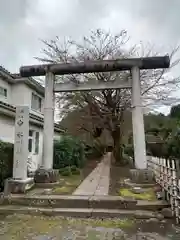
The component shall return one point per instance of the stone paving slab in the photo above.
(103, 185)
(97, 183)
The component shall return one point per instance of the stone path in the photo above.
(97, 183)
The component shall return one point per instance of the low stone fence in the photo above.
(167, 175)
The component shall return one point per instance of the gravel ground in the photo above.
(21, 227)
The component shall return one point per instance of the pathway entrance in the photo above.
(97, 183)
(103, 217)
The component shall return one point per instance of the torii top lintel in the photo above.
(96, 66)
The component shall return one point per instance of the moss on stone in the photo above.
(63, 190)
(107, 223)
(67, 184)
(149, 194)
(111, 223)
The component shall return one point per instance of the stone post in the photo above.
(138, 122)
(20, 183)
(21, 143)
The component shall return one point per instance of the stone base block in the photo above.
(46, 176)
(142, 176)
(18, 186)
(111, 202)
(47, 185)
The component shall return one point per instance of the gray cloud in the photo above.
(24, 22)
(160, 17)
(12, 12)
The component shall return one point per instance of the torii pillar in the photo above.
(138, 121)
(48, 129)
(141, 174)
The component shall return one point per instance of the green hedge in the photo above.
(68, 151)
(6, 162)
(95, 151)
(129, 150)
(68, 171)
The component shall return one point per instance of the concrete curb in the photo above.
(74, 201)
(78, 212)
(46, 185)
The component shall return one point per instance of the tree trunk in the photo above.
(117, 150)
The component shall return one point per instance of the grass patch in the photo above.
(106, 223)
(110, 223)
(67, 184)
(63, 190)
(148, 195)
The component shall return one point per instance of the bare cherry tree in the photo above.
(105, 109)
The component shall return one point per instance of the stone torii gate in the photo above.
(134, 65)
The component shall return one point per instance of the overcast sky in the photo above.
(24, 22)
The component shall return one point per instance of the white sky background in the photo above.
(24, 22)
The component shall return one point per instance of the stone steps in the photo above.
(74, 201)
(79, 212)
(151, 205)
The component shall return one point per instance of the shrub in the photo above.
(6, 162)
(68, 151)
(96, 151)
(129, 150)
(61, 170)
(75, 170)
(66, 171)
